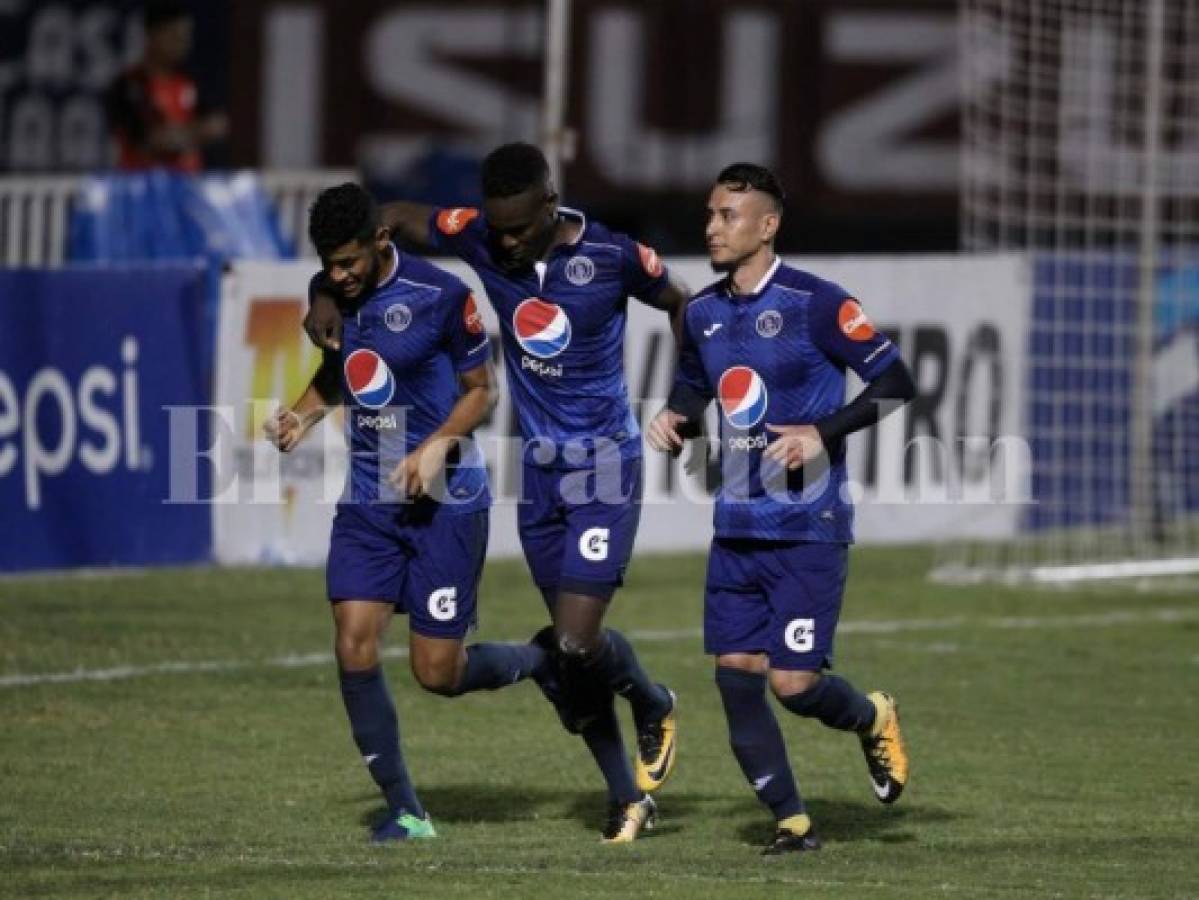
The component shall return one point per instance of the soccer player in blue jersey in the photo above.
(410, 534)
(771, 344)
(560, 285)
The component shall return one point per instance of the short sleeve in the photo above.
(691, 391)
(844, 333)
(466, 337)
(642, 273)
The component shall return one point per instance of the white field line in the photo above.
(864, 626)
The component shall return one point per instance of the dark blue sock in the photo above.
(835, 702)
(603, 739)
(492, 666)
(376, 731)
(616, 663)
(757, 741)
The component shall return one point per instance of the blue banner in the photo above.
(90, 360)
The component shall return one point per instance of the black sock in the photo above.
(616, 663)
(835, 702)
(757, 741)
(376, 731)
(603, 739)
(490, 666)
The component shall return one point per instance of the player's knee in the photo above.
(785, 683)
(576, 646)
(357, 650)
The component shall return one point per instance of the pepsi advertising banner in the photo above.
(91, 363)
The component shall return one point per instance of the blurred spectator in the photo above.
(154, 110)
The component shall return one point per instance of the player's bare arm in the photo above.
(420, 470)
(409, 222)
(287, 425)
(672, 300)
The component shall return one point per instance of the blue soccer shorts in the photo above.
(577, 527)
(424, 558)
(781, 598)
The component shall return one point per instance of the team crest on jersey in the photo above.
(397, 318)
(649, 260)
(369, 379)
(580, 270)
(769, 323)
(742, 396)
(454, 221)
(541, 328)
(853, 322)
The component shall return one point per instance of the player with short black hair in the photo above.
(410, 533)
(560, 285)
(771, 344)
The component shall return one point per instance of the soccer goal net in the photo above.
(1081, 149)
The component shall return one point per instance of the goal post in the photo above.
(1080, 148)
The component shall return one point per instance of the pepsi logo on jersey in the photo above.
(369, 379)
(743, 397)
(543, 330)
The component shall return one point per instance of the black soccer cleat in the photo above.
(794, 835)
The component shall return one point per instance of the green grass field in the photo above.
(1053, 740)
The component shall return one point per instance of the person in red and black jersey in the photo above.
(154, 111)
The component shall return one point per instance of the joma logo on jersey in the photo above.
(369, 379)
(742, 395)
(541, 328)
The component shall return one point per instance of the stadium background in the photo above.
(128, 302)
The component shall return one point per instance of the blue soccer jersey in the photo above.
(402, 351)
(778, 356)
(562, 325)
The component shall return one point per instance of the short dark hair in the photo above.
(163, 12)
(342, 214)
(745, 176)
(513, 169)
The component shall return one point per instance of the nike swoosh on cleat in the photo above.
(370, 759)
(760, 783)
(882, 791)
(659, 773)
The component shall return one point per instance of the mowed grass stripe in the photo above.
(1112, 618)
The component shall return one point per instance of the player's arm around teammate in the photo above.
(407, 221)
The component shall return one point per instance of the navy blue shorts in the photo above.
(781, 598)
(577, 528)
(424, 559)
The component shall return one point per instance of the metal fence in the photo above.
(35, 212)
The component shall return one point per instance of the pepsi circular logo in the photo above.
(369, 379)
(541, 328)
(742, 396)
